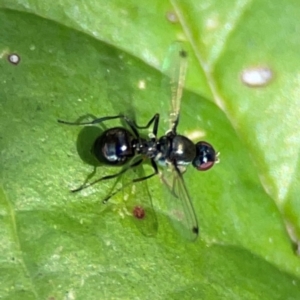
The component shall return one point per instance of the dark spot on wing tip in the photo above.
(183, 53)
(195, 230)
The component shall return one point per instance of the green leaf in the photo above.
(103, 58)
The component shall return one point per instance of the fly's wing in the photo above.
(174, 68)
(180, 207)
(138, 200)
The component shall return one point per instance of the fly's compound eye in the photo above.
(205, 156)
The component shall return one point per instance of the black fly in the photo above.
(126, 148)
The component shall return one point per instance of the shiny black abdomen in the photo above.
(114, 146)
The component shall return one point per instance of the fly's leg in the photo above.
(130, 123)
(105, 200)
(154, 120)
(107, 177)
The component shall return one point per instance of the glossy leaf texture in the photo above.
(103, 58)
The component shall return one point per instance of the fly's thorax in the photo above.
(175, 148)
(183, 150)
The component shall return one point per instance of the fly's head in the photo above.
(206, 156)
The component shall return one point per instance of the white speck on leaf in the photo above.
(171, 17)
(142, 84)
(196, 134)
(256, 76)
(14, 58)
(212, 23)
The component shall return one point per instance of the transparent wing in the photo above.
(181, 209)
(174, 67)
(138, 201)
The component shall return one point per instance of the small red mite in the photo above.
(139, 212)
